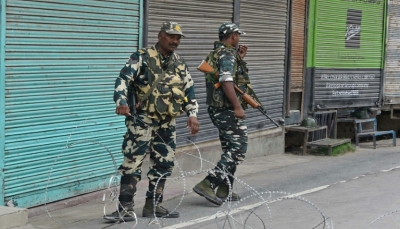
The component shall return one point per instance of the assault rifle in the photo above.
(132, 104)
(206, 68)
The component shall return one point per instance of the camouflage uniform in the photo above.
(232, 131)
(154, 129)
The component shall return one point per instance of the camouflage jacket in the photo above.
(174, 93)
(230, 67)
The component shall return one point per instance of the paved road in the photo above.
(355, 190)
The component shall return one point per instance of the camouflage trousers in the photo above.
(147, 135)
(233, 137)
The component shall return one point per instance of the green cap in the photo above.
(172, 28)
(229, 27)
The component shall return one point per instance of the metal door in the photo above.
(61, 61)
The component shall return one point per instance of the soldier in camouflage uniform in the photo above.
(226, 110)
(163, 89)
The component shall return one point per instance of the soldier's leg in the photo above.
(161, 165)
(136, 142)
(233, 131)
(224, 143)
(211, 112)
(161, 157)
(236, 137)
(228, 127)
(233, 137)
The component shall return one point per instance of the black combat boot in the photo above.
(126, 193)
(125, 214)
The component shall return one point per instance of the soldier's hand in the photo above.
(242, 50)
(123, 110)
(193, 124)
(239, 113)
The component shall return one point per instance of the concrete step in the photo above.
(11, 217)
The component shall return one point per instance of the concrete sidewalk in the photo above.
(13, 217)
(88, 208)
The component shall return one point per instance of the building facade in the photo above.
(59, 135)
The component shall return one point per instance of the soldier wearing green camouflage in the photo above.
(226, 110)
(163, 89)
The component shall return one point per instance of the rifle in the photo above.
(132, 104)
(206, 68)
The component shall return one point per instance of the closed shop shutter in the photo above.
(348, 48)
(200, 21)
(62, 58)
(265, 25)
(392, 71)
(297, 55)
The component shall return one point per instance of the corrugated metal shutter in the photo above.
(297, 56)
(392, 73)
(265, 25)
(200, 21)
(348, 53)
(2, 94)
(62, 58)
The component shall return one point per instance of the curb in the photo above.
(13, 217)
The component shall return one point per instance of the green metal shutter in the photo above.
(264, 23)
(62, 58)
(348, 53)
(200, 21)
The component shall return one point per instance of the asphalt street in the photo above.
(350, 191)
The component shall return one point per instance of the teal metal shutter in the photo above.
(62, 59)
(200, 21)
(392, 68)
(264, 23)
(2, 94)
